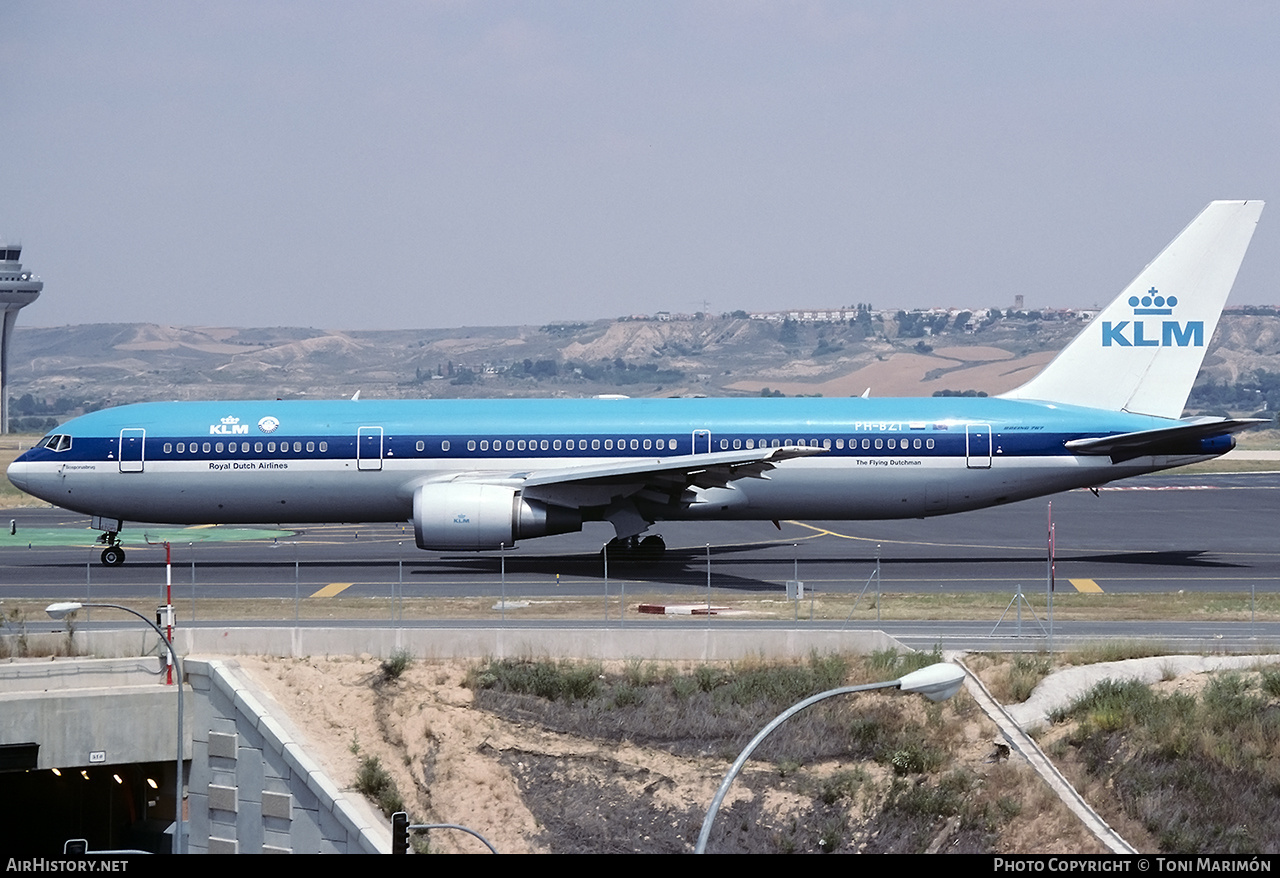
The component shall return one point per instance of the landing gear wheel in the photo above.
(651, 549)
(112, 556)
(633, 550)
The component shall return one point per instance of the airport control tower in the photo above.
(18, 289)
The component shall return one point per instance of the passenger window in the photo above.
(879, 444)
(647, 445)
(915, 444)
(218, 448)
(839, 444)
(257, 448)
(182, 447)
(511, 445)
(207, 447)
(324, 446)
(866, 443)
(271, 447)
(608, 445)
(444, 446)
(595, 444)
(556, 445)
(737, 444)
(928, 443)
(168, 447)
(724, 443)
(484, 444)
(471, 445)
(891, 444)
(420, 445)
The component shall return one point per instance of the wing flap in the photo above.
(664, 479)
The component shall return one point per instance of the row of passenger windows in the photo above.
(565, 444)
(620, 444)
(673, 445)
(240, 447)
(867, 444)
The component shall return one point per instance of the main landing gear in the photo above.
(634, 550)
(113, 554)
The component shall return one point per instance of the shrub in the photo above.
(377, 785)
(396, 665)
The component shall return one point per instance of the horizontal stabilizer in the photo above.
(1190, 437)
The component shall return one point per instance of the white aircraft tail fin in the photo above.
(1143, 351)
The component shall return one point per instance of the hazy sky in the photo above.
(426, 164)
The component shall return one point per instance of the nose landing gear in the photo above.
(113, 554)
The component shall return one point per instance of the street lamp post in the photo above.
(937, 682)
(59, 611)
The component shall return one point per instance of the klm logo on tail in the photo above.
(1143, 334)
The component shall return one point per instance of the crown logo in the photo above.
(1153, 303)
(230, 419)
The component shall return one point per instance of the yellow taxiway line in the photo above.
(333, 589)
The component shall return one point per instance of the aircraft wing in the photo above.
(662, 480)
(1186, 438)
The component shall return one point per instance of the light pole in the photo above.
(61, 610)
(937, 682)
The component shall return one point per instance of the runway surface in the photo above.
(1155, 534)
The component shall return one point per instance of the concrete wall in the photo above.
(252, 787)
(660, 641)
(76, 708)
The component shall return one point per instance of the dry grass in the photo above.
(1197, 772)
(872, 773)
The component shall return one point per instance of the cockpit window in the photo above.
(58, 442)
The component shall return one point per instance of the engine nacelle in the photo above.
(468, 516)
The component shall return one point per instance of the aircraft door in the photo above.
(131, 442)
(701, 441)
(369, 448)
(977, 443)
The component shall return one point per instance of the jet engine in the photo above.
(471, 516)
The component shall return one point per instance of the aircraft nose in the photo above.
(19, 472)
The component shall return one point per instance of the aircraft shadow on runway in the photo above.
(688, 566)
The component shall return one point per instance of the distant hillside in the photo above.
(61, 371)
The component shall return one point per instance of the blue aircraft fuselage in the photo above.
(362, 460)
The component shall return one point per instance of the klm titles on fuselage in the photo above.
(1142, 334)
(231, 426)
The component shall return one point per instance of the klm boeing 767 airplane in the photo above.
(484, 474)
